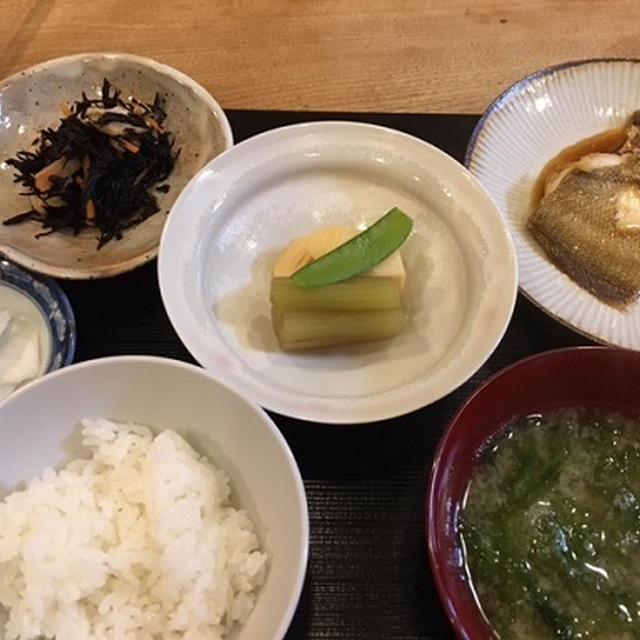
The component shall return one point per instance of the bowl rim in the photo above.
(74, 273)
(267, 421)
(322, 127)
(67, 310)
(433, 529)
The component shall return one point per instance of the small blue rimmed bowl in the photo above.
(47, 295)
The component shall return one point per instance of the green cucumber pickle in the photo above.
(550, 528)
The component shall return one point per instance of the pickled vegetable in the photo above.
(357, 294)
(314, 329)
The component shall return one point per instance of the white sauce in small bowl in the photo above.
(25, 340)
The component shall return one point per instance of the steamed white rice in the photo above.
(139, 542)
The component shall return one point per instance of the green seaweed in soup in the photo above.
(551, 528)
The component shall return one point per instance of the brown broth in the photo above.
(608, 141)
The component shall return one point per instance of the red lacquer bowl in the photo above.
(597, 377)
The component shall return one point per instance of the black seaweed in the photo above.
(21, 217)
(110, 176)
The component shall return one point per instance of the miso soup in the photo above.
(550, 528)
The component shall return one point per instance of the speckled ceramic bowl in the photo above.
(29, 101)
(524, 128)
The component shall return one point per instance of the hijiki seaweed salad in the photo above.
(99, 167)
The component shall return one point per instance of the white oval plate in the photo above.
(239, 212)
(519, 133)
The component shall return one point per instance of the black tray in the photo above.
(368, 574)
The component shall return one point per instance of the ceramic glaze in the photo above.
(25, 340)
(524, 128)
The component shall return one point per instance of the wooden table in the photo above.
(419, 56)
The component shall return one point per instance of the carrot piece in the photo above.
(64, 109)
(60, 167)
(90, 210)
(129, 146)
(152, 123)
(42, 179)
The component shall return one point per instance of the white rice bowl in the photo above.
(139, 541)
(40, 428)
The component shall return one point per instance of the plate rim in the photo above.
(494, 107)
(522, 83)
(284, 135)
(84, 273)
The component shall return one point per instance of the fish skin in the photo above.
(576, 226)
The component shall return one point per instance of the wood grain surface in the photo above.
(415, 56)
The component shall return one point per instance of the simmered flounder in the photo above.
(588, 222)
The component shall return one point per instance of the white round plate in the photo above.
(520, 132)
(229, 224)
